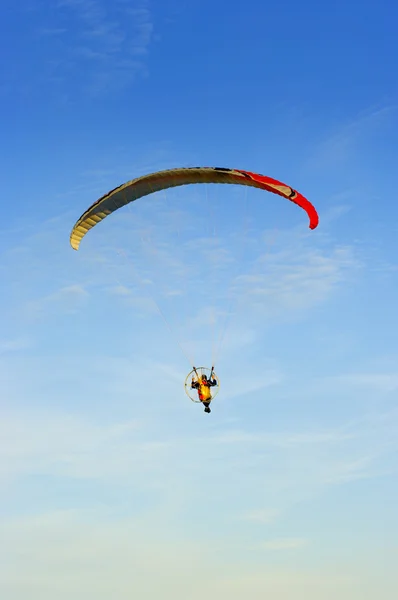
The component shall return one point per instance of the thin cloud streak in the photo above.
(110, 45)
(284, 544)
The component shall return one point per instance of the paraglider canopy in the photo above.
(154, 182)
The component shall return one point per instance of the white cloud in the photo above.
(14, 345)
(339, 147)
(385, 382)
(297, 280)
(284, 544)
(67, 299)
(111, 46)
(350, 470)
(68, 554)
(262, 516)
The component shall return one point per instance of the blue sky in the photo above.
(112, 482)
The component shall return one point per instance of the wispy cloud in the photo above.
(292, 277)
(263, 516)
(385, 382)
(68, 299)
(14, 345)
(98, 46)
(52, 31)
(284, 544)
(62, 445)
(339, 147)
(283, 439)
(295, 280)
(67, 551)
(345, 471)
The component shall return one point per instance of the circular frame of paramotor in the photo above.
(200, 371)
